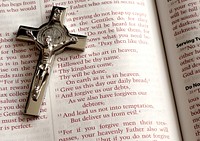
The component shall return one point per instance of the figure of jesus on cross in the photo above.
(51, 38)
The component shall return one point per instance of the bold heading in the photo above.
(190, 41)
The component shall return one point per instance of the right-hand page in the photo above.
(180, 22)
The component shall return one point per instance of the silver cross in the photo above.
(50, 38)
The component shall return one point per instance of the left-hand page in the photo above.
(16, 75)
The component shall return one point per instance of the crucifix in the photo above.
(50, 38)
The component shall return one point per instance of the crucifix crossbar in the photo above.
(50, 38)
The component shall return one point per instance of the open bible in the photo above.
(138, 78)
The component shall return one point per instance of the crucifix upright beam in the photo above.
(50, 38)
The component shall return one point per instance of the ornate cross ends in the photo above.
(51, 38)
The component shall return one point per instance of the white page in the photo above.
(18, 60)
(180, 25)
(80, 88)
(138, 106)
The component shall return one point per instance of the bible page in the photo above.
(118, 88)
(180, 26)
(17, 66)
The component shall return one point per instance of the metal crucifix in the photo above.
(50, 38)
